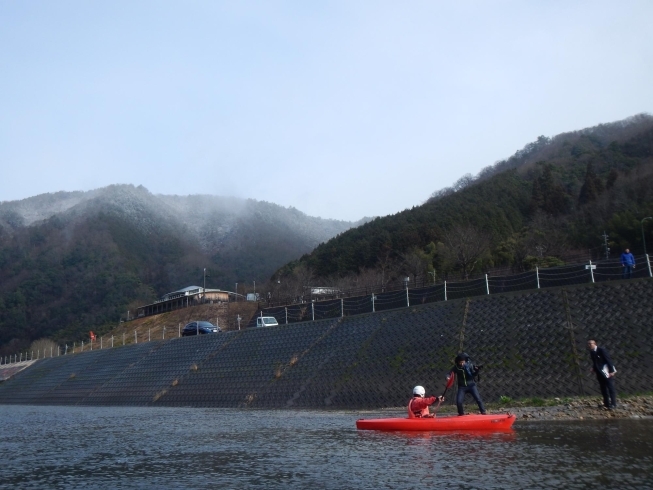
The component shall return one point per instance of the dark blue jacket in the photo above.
(464, 375)
(627, 259)
(600, 357)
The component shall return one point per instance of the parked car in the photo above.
(266, 321)
(194, 328)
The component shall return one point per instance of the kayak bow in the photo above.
(464, 422)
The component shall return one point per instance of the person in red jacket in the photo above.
(418, 406)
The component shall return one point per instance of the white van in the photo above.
(266, 321)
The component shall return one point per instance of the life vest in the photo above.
(422, 413)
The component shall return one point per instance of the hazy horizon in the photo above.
(341, 110)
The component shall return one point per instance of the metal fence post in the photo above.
(407, 298)
(342, 307)
(487, 284)
(149, 335)
(373, 310)
(537, 275)
(648, 262)
(445, 290)
(135, 337)
(82, 347)
(313, 310)
(286, 308)
(112, 341)
(179, 333)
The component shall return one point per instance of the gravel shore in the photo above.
(582, 408)
(586, 408)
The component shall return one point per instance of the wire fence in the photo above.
(100, 342)
(379, 298)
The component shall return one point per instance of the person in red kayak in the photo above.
(418, 406)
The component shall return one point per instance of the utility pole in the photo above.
(433, 274)
(605, 244)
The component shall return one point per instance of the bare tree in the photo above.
(468, 245)
(44, 348)
(415, 262)
(384, 263)
(294, 285)
(545, 237)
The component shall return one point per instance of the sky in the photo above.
(341, 109)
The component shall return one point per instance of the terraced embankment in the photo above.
(532, 344)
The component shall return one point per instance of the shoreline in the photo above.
(571, 408)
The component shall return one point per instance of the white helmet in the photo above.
(419, 390)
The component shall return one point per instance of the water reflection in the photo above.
(72, 447)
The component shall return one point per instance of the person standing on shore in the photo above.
(627, 264)
(604, 368)
(465, 372)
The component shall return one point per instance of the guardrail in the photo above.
(381, 299)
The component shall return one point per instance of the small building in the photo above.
(183, 298)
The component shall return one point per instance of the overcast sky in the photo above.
(341, 109)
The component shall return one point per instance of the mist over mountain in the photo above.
(70, 261)
(74, 261)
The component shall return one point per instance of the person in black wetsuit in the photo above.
(465, 372)
(600, 360)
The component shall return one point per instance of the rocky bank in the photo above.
(590, 408)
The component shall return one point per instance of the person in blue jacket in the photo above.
(627, 263)
(465, 372)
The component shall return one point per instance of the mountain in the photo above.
(73, 261)
(553, 198)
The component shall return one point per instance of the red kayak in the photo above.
(464, 422)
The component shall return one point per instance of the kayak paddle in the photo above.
(450, 381)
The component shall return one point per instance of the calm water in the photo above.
(71, 447)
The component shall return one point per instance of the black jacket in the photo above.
(600, 357)
(464, 375)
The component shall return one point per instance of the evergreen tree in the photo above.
(612, 178)
(592, 187)
(548, 195)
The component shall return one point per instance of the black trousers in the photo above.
(607, 390)
(460, 398)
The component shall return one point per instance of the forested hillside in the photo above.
(550, 200)
(70, 262)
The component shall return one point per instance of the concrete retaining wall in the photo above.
(530, 343)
